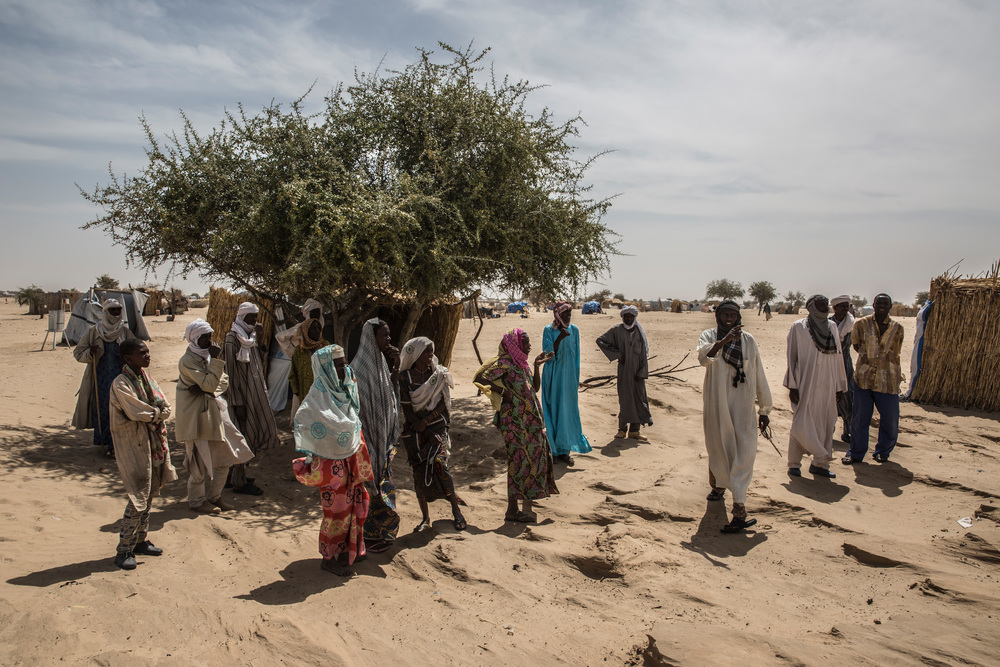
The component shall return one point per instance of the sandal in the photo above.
(738, 525)
(520, 517)
(378, 546)
(460, 522)
(716, 494)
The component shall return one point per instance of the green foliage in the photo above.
(795, 298)
(411, 185)
(104, 281)
(858, 301)
(922, 298)
(620, 296)
(762, 291)
(33, 297)
(724, 289)
(599, 295)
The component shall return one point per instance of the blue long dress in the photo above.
(109, 366)
(561, 393)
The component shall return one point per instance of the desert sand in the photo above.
(627, 564)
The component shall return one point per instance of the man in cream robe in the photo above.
(737, 402)
(815, 380)
(211, 442)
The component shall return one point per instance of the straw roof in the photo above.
(222, 307)
(960, 365)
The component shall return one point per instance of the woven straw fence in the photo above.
(439, 322)
(222, 307)
(960, 366)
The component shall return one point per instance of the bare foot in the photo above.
(206, 508)
(422, 526)
(333, 567)
(223, 505)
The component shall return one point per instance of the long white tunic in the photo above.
(818, 377)
(729, 416)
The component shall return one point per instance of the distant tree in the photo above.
(922, 298)
(599, 295)
(33, 297)
(762, 291)
(858, 301)
(795, 298)
(104, 281)
(620, 296)
(724, 289)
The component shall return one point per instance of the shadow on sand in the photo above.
(712, 543)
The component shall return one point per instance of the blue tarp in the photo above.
(591, 307)
(517, 307)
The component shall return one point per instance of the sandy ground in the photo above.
(626, 567)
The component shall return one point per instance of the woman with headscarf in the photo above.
(425, 396)
(249, 407)
(735, 385)
(300, 378)
(519, 419)
(627, 344)
(377, 367)
(328, 430)
(98, 348)
(212, 443)
(561, 385)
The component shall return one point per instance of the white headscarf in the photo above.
(291, 338)
(111, 328)
(245, 333)
(844, 327)
(327, 423)
(438, 385)
(193, 332)
(635, 323)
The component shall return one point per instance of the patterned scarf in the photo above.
(149, 393)
(379, 401)
(327, 423)
(732, 352)
(511, 346)
(557, 319)
(818, 324)
(308, 344)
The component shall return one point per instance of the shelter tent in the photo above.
(592, 307)
(87, 311)
(517, 306)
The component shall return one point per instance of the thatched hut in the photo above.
(960, 351)
(222, 307)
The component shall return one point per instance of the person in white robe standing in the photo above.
(815, 380)
(735, 385)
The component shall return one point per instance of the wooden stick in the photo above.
(97, 397)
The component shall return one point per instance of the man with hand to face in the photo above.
(878, 340)
(627, 344)
(815, 380)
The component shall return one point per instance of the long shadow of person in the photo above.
(821, 489)
(617, 446)
(890, 477)
(303, 578)
(709, 540)
(66, 573)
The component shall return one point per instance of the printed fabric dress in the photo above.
(343, 498)
(529, 460)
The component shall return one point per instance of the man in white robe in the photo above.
(735, 385)
(815, 380)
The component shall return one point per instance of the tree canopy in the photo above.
(410, 186)
(922, 298)
(762, 292)
(796, 298)
(724, 289)
(858, 301)
(104, 281)
(32, 296)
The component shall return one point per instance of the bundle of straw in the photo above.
(439, 322)
(222, 307)
(960, 366)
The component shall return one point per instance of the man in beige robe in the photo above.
(138, 411)
(211, 442)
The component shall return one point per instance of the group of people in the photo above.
(349, 418)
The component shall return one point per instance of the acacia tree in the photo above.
(762, 291)
(32, 296)
(796, 298)
(105, 281)
(921, 298)
(724, 289)
(410, 186)
(858, 301)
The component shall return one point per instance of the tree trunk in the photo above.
(416, 310)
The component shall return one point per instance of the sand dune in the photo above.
(627, 565)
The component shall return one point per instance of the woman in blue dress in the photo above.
(561, 386)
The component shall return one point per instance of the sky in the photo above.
(834, 147)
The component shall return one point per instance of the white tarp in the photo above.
(87, 311)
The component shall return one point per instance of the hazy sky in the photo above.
(847, 146)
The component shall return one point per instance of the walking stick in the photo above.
(97, 397)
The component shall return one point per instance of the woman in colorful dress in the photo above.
(377, 367)
(519, 419)
(328, 430)
(425, 395)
